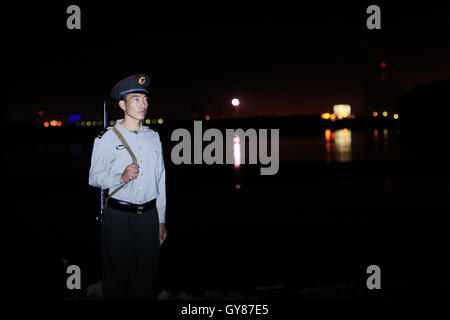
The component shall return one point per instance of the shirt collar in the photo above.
(123, 129)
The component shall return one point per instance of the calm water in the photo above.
(341, 145)
(343, 199)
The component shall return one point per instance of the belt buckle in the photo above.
(140, 210)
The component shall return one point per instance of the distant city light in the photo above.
(333, 116)
(207, 117)
(41, 113)
(395, 116)
(383, 64)
(46, 124)
(237, 186)
(59, 123)
(88, 123)
(147, 121)
(375, 114)
(385, 114)
(111, 123)
(235, 102)
(74, 118)
(325, 116)
(160, 121)
(53, 123)
(342, 110)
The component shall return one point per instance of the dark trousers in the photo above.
(130, 253)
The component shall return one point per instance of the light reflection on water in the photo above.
(338, 145)
(237, 151)
(341, 145)
(237, 161)
(330, 145)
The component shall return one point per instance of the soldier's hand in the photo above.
(162, 233)
(131, 172)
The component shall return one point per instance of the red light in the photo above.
(383, 65)
(46, 124)
(59, 123)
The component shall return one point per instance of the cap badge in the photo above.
(141, 80)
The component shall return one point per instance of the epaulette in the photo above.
(100, 135)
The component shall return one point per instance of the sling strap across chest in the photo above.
(133, 157)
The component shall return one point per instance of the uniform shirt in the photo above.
(110, 158)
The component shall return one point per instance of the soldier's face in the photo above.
(135, 106)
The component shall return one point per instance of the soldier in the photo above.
(132, 168)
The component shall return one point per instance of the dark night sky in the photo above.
(279, 60)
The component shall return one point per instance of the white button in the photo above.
(140, 188)
(139, 147)
(142, 161)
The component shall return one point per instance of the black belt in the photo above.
(131, 207)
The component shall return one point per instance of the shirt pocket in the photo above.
(120, 161)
